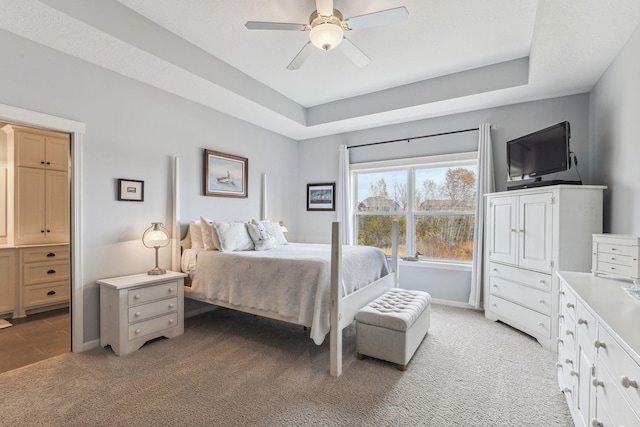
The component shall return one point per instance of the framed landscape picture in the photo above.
(130, 190)
(321, 197)
(225, 175)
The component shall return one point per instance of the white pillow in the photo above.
(210, 239)
(274, 229)
(262, 239)
(233, 236)
(195, 232)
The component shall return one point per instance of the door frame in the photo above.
(21, 116)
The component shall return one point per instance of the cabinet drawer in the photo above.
(534, 299)
(151, 293)
(615, 249)
(531, 278)
(45, 253)
(153, 309)
(624, 270)
(44, 272)
(620, 364)
(612, 403)
(46, 294)
(147, 327)
(533, 322)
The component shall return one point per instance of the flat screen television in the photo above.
(540, 153)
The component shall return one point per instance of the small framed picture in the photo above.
(130, 190)
(321, 197)
(225, 175)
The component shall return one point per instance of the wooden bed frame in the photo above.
(343, 309)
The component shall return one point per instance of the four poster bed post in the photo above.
(343, 308)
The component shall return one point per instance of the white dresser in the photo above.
(599, 350)
(135, 309)
(532, 233)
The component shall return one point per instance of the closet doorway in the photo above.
(35, 256)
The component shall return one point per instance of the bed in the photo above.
(323, 291)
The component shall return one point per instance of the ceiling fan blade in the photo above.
(352, 52)
(256, 25)
(301, 57)
(324, 7)
(375, 19)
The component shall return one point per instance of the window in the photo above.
(433, 199)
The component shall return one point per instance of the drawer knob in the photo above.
(137, 314)
(568, 332)
(574, 374)
(559, 340)
(559, 365)
(171, 290)
(596, 383)
(494, 285)
(540, 324)
(541, 281)
(50, 293)
(626, 382)
(136, 296)
(541, 301)
(51, 272)
(567, 360)
(495, 269)
(561, 293)
(513, 230)
(581, 321)
(170, 305)
(598, 344)
(171, 321)
(137, 331)
(596, 423)
(560, 316)
(566, 390)
(569, 305)
(50, 255)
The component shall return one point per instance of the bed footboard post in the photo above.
(335, 344)
(394, 253)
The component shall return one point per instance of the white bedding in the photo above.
(292, 281)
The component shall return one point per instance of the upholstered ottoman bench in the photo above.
(392, 326)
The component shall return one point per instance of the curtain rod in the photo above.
(413, 137)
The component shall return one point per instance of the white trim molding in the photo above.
(20, 116)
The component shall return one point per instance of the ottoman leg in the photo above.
(402, 367)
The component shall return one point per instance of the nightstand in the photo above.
(138, 308)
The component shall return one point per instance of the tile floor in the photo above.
(34, 338)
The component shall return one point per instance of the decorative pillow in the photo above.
(195, 232)
(262, 239)
(210, 239)
(233, 236)
(274, 229)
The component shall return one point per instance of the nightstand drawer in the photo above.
(153, 309)
(151, 293)
(158, 324)
(45, 294)
(45, 272)
(45, 253)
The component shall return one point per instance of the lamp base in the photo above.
(157, 271)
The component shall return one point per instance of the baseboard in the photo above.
(89, 345)
(452, 303)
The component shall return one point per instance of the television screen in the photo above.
(540, 153)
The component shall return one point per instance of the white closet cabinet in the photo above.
(530, 234)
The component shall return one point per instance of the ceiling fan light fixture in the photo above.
(326, 36)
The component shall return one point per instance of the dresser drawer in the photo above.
(533, 322)
(612, 402)
(616, 269)
(45, 294)
(620, 364)
(151, 293)
(585, 323)
(45, 253)
(44, 272)
(147, 327)
(568, 303)
(531, 278)
(146, 311)
(615, 249)
(616, 259)
(602, 415)
(534, 299)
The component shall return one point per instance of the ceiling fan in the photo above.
(326, 30)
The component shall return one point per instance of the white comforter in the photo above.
(292, 280)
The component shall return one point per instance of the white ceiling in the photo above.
(200, 50)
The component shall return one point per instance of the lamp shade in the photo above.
(155, 236)
(326, 36)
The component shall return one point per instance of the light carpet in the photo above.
(231, 369)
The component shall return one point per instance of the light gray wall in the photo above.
(133, 131)
(512, 121)
(615, 139)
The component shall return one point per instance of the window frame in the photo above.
(410, 165)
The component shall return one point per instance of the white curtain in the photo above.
(485, 184)
(343, 204)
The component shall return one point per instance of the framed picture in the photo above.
(130, 190)
(225, 175)
(321, 197)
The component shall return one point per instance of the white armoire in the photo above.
(531, 233)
